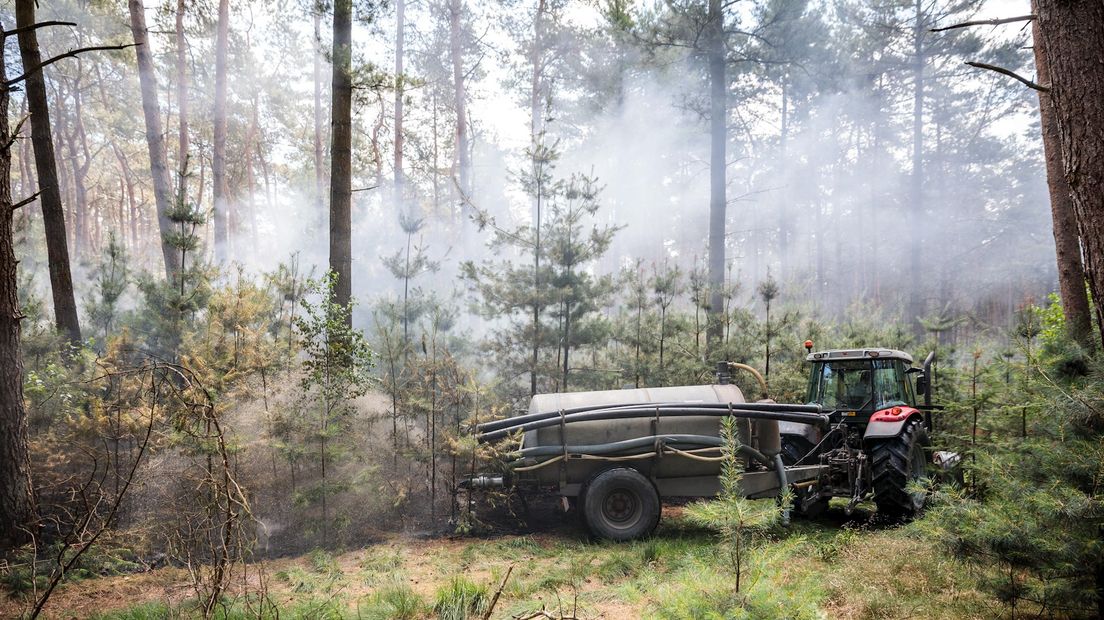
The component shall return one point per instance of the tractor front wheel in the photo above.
(899, 471)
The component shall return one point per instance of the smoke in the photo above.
(819, 199)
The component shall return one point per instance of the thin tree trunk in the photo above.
(536, 284)
(155, 138)
(252, 148)
(319, 173)
(463, 154)
(536, 81)
(717, 200)
(566, 343)
(916, 191)
(181, 93)
(1071, 39)
(16, 501)
(218, 147)
(53, 214)
(400, 39)
(341, 189)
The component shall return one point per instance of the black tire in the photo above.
(621, 504)
(897, 464)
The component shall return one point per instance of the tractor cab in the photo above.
(857, 383)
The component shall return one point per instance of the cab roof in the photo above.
(858, 354)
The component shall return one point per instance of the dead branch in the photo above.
(498, 593)
(90, 511)
(987, 22)
(69, 54)
(26, 201)
(1003, 71)
(8, 33)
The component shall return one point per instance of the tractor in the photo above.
(879, 433)
(614, 454)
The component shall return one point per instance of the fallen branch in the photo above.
(498, 593)
(986, 22)
(1003, 71)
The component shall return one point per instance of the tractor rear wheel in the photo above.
(899, 467)
(621, 504)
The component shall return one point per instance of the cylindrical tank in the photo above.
(759, 434)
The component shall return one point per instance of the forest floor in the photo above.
(835, 567)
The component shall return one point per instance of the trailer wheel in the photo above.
(621, 504)
(897, 464)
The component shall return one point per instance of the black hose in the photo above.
(651, 411)
(704, 441)
(495, 425)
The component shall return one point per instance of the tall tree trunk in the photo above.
(218, 147)
(718, 135)
(341, 188)
(181, 94)
(536, 81)
(536, 285)
(916, 187)
(155, 137)
(81, 166)
(400, 39)
(1067, 245)
(53, 214)
(1071, 33)
(785, 224)
(463, 150)
(319, 173)
(16, 501)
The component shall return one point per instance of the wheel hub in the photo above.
(620, 506)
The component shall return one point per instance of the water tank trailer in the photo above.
(617, 453)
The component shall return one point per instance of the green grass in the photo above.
(392, 602)
(809, 570)
(460, 599)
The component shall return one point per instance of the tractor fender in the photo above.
(890, 422)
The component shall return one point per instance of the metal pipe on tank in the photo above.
(702, 409)
(531, 417)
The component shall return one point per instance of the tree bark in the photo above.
(341, 188)
(460, 94)
(536, 80)
(400, 39)
(1072, 36)
(155, 137)
(1067, 245)
(53, 214)
(218, 147)
(718, 116)
(916, 188)
(16, 500)
(181, 95)
(319, 173)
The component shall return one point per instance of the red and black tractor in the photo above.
(879, 434)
